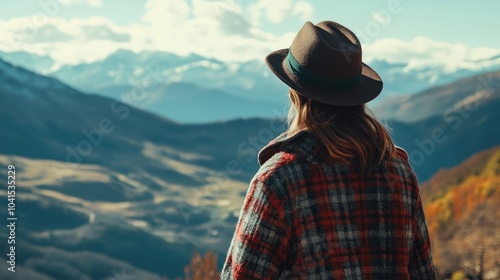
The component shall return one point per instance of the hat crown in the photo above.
(324, 64)
(328, 49)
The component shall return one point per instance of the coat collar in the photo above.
(306, 146)
(302, 145)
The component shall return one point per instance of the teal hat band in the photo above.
(314, 79)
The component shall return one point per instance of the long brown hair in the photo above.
(350, 133)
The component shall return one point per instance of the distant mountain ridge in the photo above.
(468, 92)
(461, 128)
(125, 70)
(189, 103)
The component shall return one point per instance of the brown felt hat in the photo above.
(324, 64)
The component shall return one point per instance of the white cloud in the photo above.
(422, 51)
(182, 27)
(170, 14)
(304, 10)
(93, 3)
(205, 27)
(48, 33)
(277, 11)
(66, 41)
(208, 28)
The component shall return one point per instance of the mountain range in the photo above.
(103, 181)
(444, 99)
(176, 86)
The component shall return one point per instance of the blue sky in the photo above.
(72, 31)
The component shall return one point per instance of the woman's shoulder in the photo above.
(402, 163)
(279, 164)
(402, 153)
(288, 154)
(282, 171)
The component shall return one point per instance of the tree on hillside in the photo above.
(201, 267)
(476, 243)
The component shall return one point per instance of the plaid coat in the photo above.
(307, 217)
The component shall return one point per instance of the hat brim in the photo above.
(370, 86)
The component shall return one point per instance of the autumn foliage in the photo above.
(462, 206)
(201, 267)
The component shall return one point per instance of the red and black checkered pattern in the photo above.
(308, 217)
